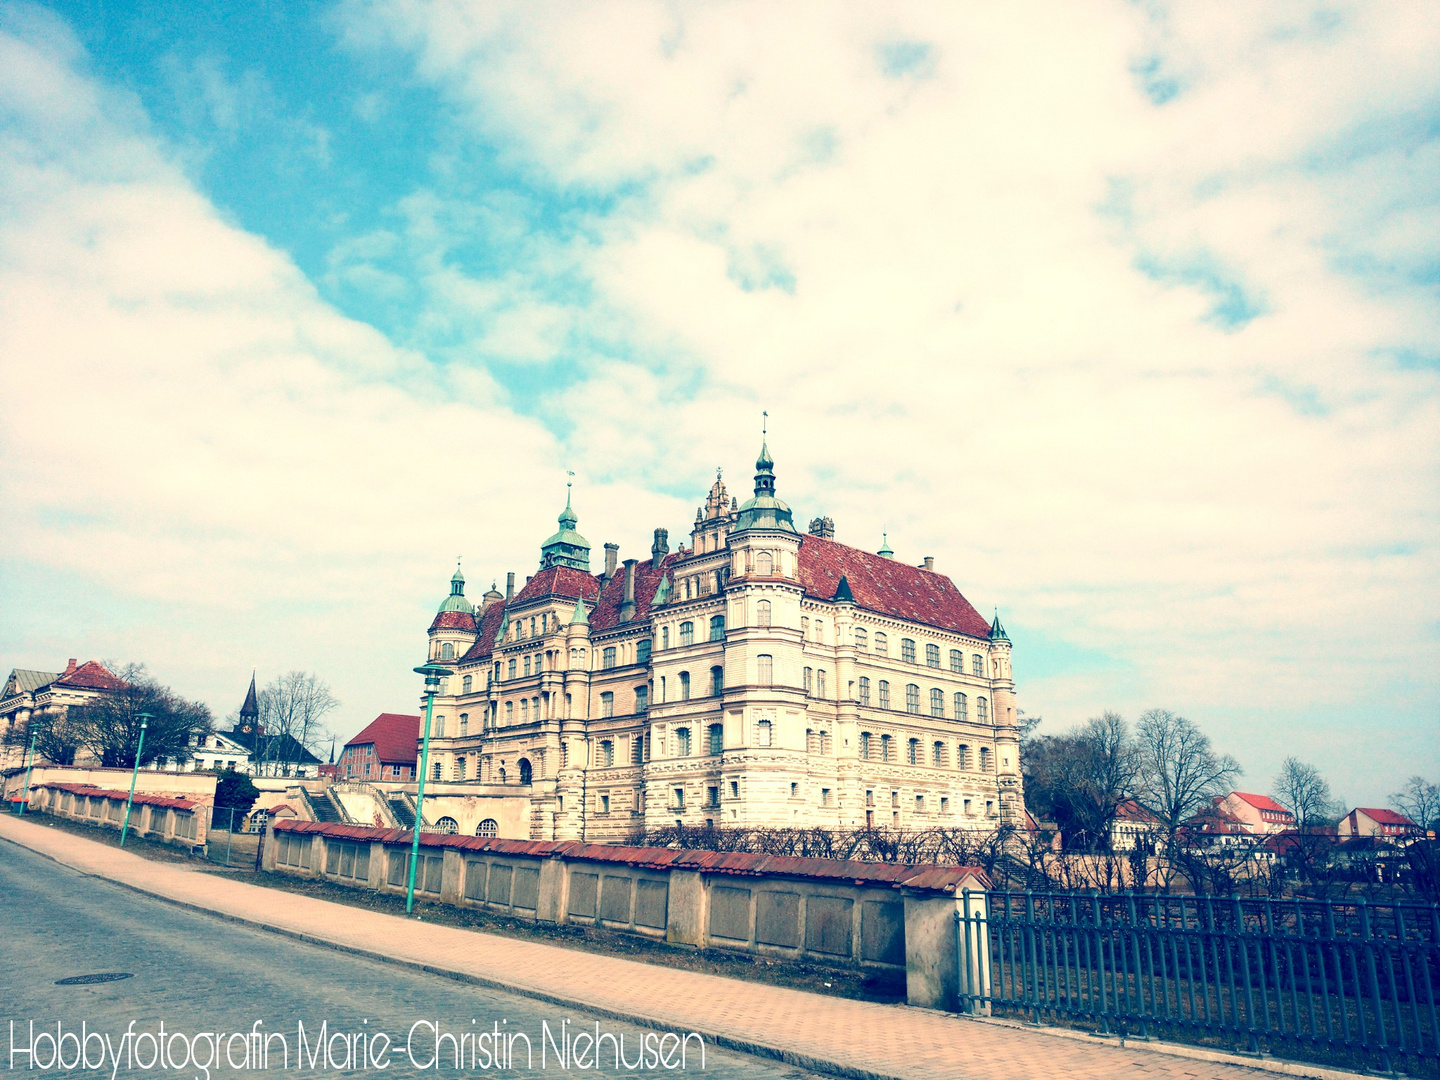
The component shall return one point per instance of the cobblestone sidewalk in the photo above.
(835, 1035)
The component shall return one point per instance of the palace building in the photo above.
(759, 677)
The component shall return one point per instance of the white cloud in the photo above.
(1070, 302)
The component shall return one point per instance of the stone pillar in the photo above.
(931, 971)
(551, 904)
(452, 876)
(687, 911)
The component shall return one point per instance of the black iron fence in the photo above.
(1329, 980)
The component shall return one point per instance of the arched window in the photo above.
(912, 752)
(912, 698)
(466, 684)
(464, 724)
(684, 686)
(510, 668)
(977, 665)
(809, 679)
(664, 637)
(524, 710)
(716, 734)
(885, 752)
(862, 639)
(525, 771)
(932, 655)
(607, 658)
(957, 661)
(962, 709)
(864, 689)
(717, 627)
(764, 563)
(982, 710)
(907, 650)
(962, 757)
(438, 731)
(765, 669)
(687, 634)
(717, 681)
(762, 613)
(820, 683)
(447, 825)
(884, 693)
(882, 647)
(461, 765)
(527, 665)
(984, 759)
(607, 704)
(509, 712)
(824, 742)
(864, 746)
(682, 742)
(447, 651)
(488, 827)
(938, 755)
(642, 698)
(762, 733)
(937, 702)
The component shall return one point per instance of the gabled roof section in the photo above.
(1381, 816)
(887, 587)
(91, 676)
(1130, 810)
(647, 580)
(396, 737)
(1261, 802)
(25, 681)
(563, 581)
(489, 625)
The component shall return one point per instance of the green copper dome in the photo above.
(567, 547)
(456, 600)
(764, 511)
(997, 632)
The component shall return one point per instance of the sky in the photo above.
(1126, 313)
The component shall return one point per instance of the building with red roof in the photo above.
(28, 693)
(385, 749)
(1259, 814)
(1377, 821)
(759, 676)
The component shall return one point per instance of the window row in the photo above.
(960, 702)
(686, 633)
(881, 647)
(884, 748)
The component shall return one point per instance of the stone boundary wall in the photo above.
(182, 822)
(874, 916)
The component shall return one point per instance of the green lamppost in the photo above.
(433, 674)
(139, 749)
(29, 764)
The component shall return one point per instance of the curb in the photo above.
(1277, 1066)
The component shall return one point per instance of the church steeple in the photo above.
(566, 547)
(456, 600)
(250, 711)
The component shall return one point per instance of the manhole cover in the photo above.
(98, 977)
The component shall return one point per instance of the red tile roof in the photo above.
(91, 676)
(396, 737)
(140, 799)
(560, 581)
(1261, 802)
(1386, 817)
(453, 620)
(1130, 810)
(888, 587)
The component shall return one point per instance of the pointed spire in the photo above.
(997, 632)
(764, 511)
(566, 547)
(250, 710)
(580, 618)
(885, 551)
(843, 595)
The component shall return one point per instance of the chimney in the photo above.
(823, 527)
(510, 586)
(929, 563)
(627, 606)
(660, 548)
(70, 666)
(612, 552)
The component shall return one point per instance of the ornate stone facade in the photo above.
(758, 678)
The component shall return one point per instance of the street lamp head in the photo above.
(433, 674)
(144, 719)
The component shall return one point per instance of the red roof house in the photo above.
(1375, 821)
(1259, 814)
(386, 749)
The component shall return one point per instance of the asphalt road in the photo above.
(211, 982)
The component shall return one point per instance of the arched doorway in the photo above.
(525, 770)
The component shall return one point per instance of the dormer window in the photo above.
(447, 651)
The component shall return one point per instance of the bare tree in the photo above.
(1079, 778)
(1419, 800)
(55, 738)
(291, 709)
(109, 725)
(1178, 772)
(1310, 850)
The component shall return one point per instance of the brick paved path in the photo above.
(824, 1033)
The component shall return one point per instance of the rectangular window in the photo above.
(912, 752)
(962, 709)
(712, 797)
(894, 798)
(982, 710)
(977, 665)
(607, 658)
(870, 798)
(642, 698)
(820, 683)
(881, 645)
(865, 746)
(717, 681)
(682, 742)
(944, 805)
(687, 633)
(957, 661)
(824, 796)
(932, 655)
(607, 753)
(885, 753)
(717, 738)
(919, 804)
(684, 686)
(765, 669)
(510, 669)
(642, 651)
(937, 702)
(717, 628)
(809, 678)
(734, 789)
(677, 801)
(864, 690)
(604, 804)
(607, 704)
(884, 693)
(862, 639)
(907, 650)
(912, 698)
(527, 665)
